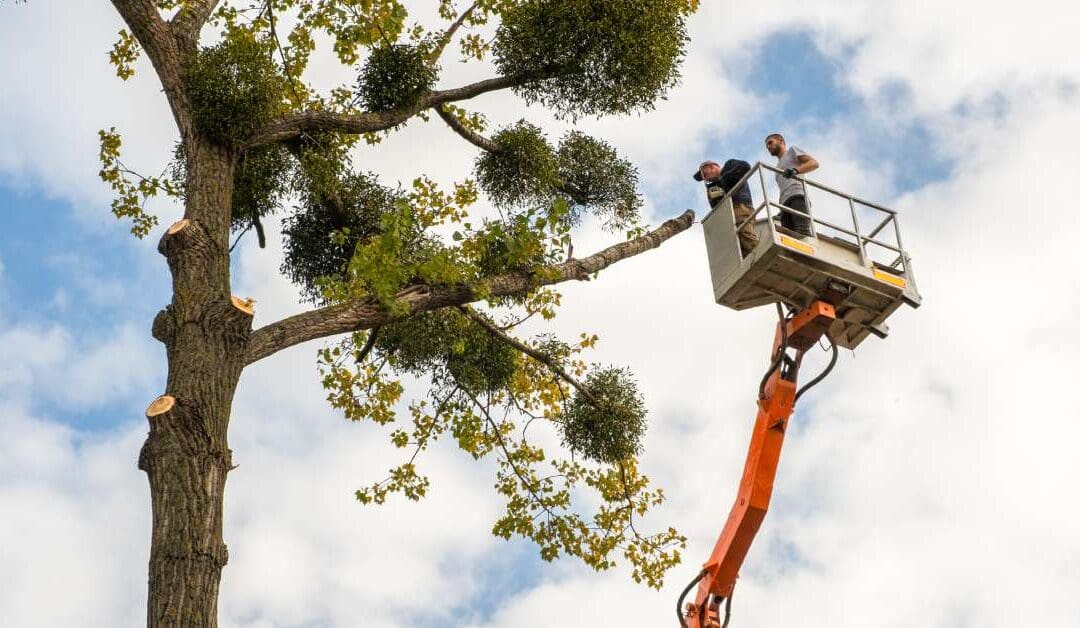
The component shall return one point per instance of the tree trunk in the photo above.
(186, 455)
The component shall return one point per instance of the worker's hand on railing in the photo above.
(790, 172)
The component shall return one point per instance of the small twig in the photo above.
(239, 236)
(539, 356)
(281, 51)
(368, 345)
(510, 326)
(423, 439)
(506, 450)
(448, 36)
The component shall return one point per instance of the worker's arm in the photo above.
(807, 163)
(734, 170)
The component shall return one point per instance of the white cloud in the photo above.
(52, 363)
(72, 510)
(59, 91)
(923, 482)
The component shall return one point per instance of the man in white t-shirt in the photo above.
(793, 161)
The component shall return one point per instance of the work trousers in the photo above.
(747, 235)
(792, 221)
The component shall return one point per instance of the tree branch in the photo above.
(156, 37)
(532, 352)
(293, 125)
(448, 35)
(472, 136)
(188, 22)
(365, 314)
(510, 459)
(368, 346)
(491, 146)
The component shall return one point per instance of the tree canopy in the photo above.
(429, 282)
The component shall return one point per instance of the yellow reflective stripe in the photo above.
(797, 245)
(889, 278)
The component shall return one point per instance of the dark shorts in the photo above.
(792, 221)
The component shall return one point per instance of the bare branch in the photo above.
(347, 317)
(293, 125)
(472, 136)
(188, 22)
(156, 37)
(448, 35)
(492, 146)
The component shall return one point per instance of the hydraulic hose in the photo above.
(686, 591)
(828, 369)
(779, 357)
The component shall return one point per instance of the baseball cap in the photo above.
(697, 173)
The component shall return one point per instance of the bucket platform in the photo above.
(865, 275)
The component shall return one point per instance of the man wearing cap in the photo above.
(717, 183)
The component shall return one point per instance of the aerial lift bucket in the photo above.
(834, 285)
(865, 275)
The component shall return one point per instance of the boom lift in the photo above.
(833, 286)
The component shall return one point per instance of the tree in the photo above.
(405, 280)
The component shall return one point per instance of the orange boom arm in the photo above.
(775, 405)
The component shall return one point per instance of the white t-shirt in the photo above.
(789, 187)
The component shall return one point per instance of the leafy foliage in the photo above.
(124, 54)
(524, 168)
(482, 417)
(600, 180)
(607, 423)
(132, 189)
(235, 88)
(511, 245)
(353, 210)
(350, 238)
(604, 56)
(394, 76)
(261, 179)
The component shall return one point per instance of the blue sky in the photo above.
(912, 450)
(82, 278)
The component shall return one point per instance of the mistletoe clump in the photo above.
(602, 56)
(524, 168)
(481, 363)
(605, 424)
(261, 177)
(451, 347)
(597, 178)
(321, 236)
(395, 76)
(235, 88)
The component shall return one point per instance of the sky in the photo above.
(928, 481)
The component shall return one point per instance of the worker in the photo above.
(793, 161)
(717, 183)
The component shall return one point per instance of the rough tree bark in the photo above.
(186, 455)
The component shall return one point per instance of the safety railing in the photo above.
(874, 247)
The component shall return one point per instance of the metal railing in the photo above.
(902, 262)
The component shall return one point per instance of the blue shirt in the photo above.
(730, 173)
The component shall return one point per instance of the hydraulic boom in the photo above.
(776, 401)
